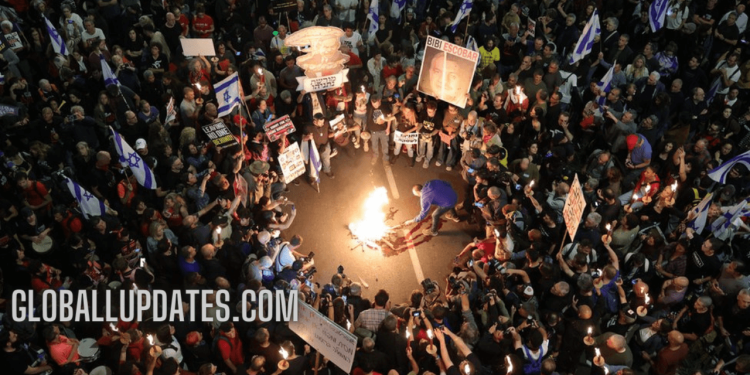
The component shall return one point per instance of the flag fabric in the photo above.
(472, 44)
(87, 202)
(605, 85)
(656, 14)
(463, 12)
(241, 189)
(228, 94)
(722, 223)
(140, 170)
(58, 43)
(311, 156)
(372, 15)
(396, 7)
(109, 76)
(171, 111)
(586, 41)
(701, 210)
(720, 173)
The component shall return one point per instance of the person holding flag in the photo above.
(463, 12)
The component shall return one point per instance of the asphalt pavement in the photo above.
(323, 218)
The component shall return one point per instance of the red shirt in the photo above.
(232, 352)
(389, 71)
(35, 193)
(185, 23)
(61, 351)
(202, 26)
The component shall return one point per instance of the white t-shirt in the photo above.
(534, 356)
(285, 258)
(675, 16)
(567, 85)
(352, 42)
(732, 74)
(279, 44)
(347, 14)
(97, 34)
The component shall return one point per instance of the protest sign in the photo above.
(406, 138)
(284, 5)
(322, 61)
(291, 162)
(278, 128)
(171, 111)
(330, 339)
(219, 134)
(447, 71)
(322, 83)
(8, 110)
(198, 47)
(573, 209)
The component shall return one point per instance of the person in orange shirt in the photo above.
(63, 350)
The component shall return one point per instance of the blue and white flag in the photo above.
(471, 44)
(701, 210)
(722, 223)
(463, 12)
(372, 15)
(605, 85)
(87, 202)
(396, 8)
(315, 164)
(586, 41)
(140, 170)
(228, 94)
(109, 76)
(58, 43)
(720, 173)
(656, 14)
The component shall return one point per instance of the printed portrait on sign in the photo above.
(446, 76)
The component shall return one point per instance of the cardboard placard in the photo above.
(322, 83)
(284, 5)
(447, 71)
(8, 110)
(198, 47)
(406, 138)
(291, 162)
(574, 205)
(330, 339)
(278, 128)
(219, 134)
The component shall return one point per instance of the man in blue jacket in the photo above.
(439, 193)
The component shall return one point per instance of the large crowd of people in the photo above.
(650, 283)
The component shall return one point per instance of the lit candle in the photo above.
(643, 289)
(348, 325)
(431, 348)
(510, 364)
(648, 188)
(589, 333)
(283, 364)
(408, 335)
(588, 340)
(218, 230)
(113, 327)
(200, 92)
(262, 76)
(284, 355)
(150, 340)
(363, 88)
(635, 197)
(674, 186)
(429, 334)
(531, 184)
(467, 369)
(606, 370)
(609, 229)
(598, 353)
(647, 299)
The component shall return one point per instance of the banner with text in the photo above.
(574, 205)
(406, 138)
(322, 83)
(447, 71)
(278, 128)
(219, 134)
(330, 339)
(8, 110)
(291, 162)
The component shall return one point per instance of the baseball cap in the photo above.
(631, 141)
(140, 144)
(529, 291)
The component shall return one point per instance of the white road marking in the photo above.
(413, 256)
(391, 181)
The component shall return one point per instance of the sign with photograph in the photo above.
(447, 71)
(321, 59)
(291, 162)
(278, 128)
(219, 134)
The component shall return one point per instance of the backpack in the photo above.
(535, 366)
(217, 352)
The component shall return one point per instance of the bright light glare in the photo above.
(372, 226)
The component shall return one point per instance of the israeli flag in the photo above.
(586, 41)
(463, 12)
(656, 13)
(372, 15)
(109, 76)
(140, 170)
(89, 204)
(58, 43)
(605, 85)
(701, 210)
(315, 164)
(228, 94)
(471, 44)
(722, 223)
(720, 173)
(396, 7)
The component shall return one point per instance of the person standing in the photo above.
(439, 193)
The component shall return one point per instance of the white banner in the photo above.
(574, 205)
(198, 47)
(322, 83)
(406, 138)
(292, 164)
(330, 339)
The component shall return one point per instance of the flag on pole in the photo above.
(171, 111)
(720, 173)
(109, 76)
(241, 189)
(140, 170)
(372, 15)
(228, 94)
(722, 223)
(58, 43)
(463, 12)
(315, 164)
(605, 85)
(701, 210)
(471, 44)
(396, 7)
(586, 41)
(89, 204)
(657, 11)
